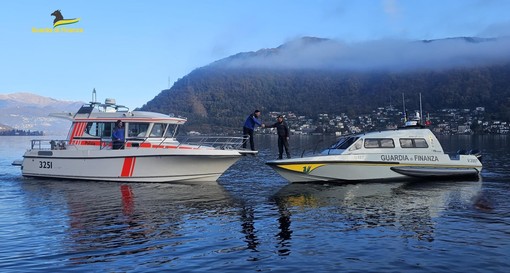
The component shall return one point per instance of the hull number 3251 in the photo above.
(45, 165)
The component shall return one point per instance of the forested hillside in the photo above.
(219, 96)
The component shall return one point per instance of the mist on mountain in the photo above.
(378, 55)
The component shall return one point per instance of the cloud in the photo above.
(384, 54)
(496, 30)
(391, 8)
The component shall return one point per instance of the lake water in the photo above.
(252, 220)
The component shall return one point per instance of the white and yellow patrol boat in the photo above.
(150, 153)
(409, 152)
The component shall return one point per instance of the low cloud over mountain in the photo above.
(377, 55)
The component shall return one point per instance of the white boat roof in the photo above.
(400, 133)
(87, 112)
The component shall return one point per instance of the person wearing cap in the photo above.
(283, 136)
(249, 126)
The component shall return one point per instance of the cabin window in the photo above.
(92, 130)
(406, 143)
(98, 129)
(371, 143)
(421, 143)
(158, 129)
(137, 129)
(413, 143)
(387, 143)
(379, 143)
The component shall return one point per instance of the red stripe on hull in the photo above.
(128, 167)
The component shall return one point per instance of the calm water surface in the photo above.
(252, 220)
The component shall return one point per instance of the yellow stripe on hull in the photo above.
(304, 168)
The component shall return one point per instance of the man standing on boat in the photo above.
(283, 136)
(118, 136)
(249, 126)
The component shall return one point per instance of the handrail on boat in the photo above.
(218, 142)
(193, 142)
(48, 144)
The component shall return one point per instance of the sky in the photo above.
(131, 50)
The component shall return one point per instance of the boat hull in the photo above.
(141, 165)
(341, 169)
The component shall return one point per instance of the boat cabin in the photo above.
(403, 140)
(94, 123)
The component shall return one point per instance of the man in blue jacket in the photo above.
(249, 126)
(118, 136)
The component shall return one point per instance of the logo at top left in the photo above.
(59, 25)
(59, 19)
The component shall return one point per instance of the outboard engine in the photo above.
(476, 153)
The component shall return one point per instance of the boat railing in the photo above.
(49, 144)
(105, 143)
(459, 153)
(311, 149)
(217, 142)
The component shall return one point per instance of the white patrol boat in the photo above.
(409, 152)
(150, 153)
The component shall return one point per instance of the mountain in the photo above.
(26, 111)
(4, 127)
(314, 75)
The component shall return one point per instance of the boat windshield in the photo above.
(163, 129)
(157, 130)
(171, 131)
(344, 143)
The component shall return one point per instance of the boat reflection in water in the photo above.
(406, 206)
(112, 220)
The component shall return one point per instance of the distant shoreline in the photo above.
(21, 133)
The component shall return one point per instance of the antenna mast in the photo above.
(94, 96)
(421, 111)
(404, 105)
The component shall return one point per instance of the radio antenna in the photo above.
(421, 111)
(94, 96)
(404, 105)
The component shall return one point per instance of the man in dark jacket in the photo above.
(249, 126)
(283, 136)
